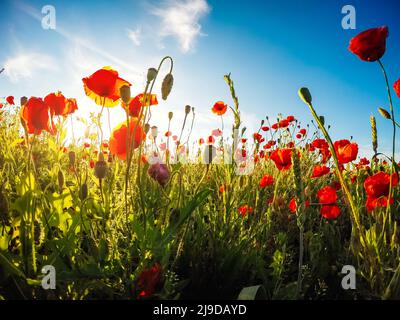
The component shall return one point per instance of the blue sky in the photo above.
(271, 49)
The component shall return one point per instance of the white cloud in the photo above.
(180, 19)
(24, 65)
(135, 35)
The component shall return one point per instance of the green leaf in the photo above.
(253, 293)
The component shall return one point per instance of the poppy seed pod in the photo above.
(305, 95)
(60, 180)
(210, 153)
(159, 172)
(384, 113)
(71, 156)
(151, 74)
(154, 132)
(146, 128)
(167, 86)
(100, 169)
(23, 100)
(170, 115)
(125, 93)
(83, 193)
(187, 109)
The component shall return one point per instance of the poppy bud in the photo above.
(101, 156)
(305, 95)
(167, 86)
(210, 153)
(71, 156)
(100, 169)
(154, 132)
(60, 180)
(125, 93)
(187, 109)
(146, 128)
(83, 193)
(151, 74)
(24, 100)
(159, 172)
(170, 115)
(384, 113)
(322, 119)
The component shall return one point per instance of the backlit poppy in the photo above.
(36, 116)
(118, 140)
(10, 100)
(266, 180)
(377, 189)
(346, 151)
(319, 171)
(370, 45)
(396, 87)
(282, 158)
(293, 205)
(136, 103)
(328, 197)
(59, 105)
(219, 108)
(103, 87)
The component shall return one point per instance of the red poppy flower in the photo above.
(345, 151)
(219, 108)
(221, 189)
(257, 137)
(36, 116)
(210, 140)
(243, 210)
(328, 196)
(282, 158)
(103, 87)
(396, 87)
(319, 171)
(244, 140)
(290, 118)
(201, 141)
(59, 105)
(293, 205)
(168, 134)
(264, 128)
(266, 180)
(10, 100)
(148, 280)
(118, 140)
(275, 126)
(377, 189)
(320, 144)
(330, 212)
(303, 132)
(370, 45)
(136, 103)
(284, 123)
(299, 136)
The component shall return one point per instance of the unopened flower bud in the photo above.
(187, 109)
(170, 115)
(160, 173)
(125, 93)
(83, 193)
(151, 74)
(167, 86)
(305, 95)
(24, 100)
(60, 180)
(100, 169)
(384, 113)
(146, 128)
(71, 156)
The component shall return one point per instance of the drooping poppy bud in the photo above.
(125, 93)
(83, 193)
(167, 86)
(71, 156)
(170, 115)
(151, 74)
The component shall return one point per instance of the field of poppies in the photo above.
(145, 215)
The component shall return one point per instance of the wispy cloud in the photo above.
(24, 65)
(135, 35)
(181, 19)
